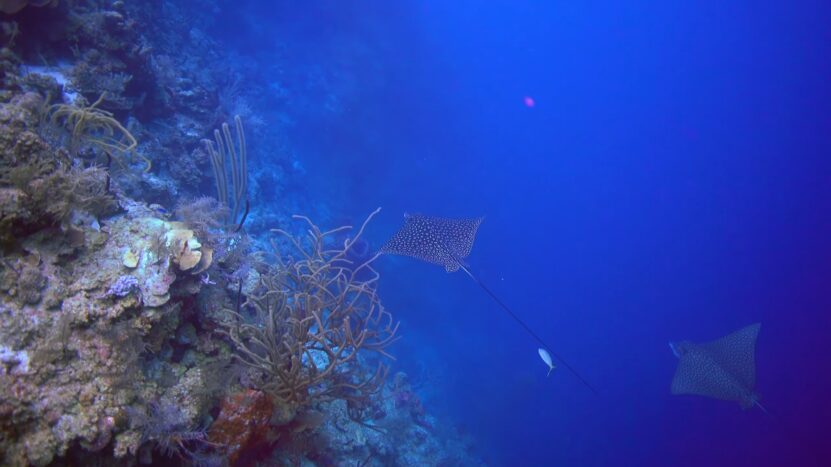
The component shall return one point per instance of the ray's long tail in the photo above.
(762, 407)
(525, 326)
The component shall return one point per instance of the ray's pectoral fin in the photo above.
(685, 380)
(696, 375)
(736, 353)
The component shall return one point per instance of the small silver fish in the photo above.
(547, 359)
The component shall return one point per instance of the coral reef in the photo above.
(139, 322)
(40, 185)
(85, 337)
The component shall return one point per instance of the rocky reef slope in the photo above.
(137, 324)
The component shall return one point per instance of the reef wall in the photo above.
(138, 325)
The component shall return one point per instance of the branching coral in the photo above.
(312, 316)
(97, 128)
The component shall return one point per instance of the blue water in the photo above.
(671, 181)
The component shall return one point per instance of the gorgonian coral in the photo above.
(308, 320)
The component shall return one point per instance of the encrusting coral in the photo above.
(75, 347)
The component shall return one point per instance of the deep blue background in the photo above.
(672, 182)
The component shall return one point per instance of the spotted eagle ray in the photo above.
(722, 369)
(445, 242)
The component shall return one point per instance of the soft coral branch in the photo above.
(311, 318)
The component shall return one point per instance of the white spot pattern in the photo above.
(435, 240)
(722, 369)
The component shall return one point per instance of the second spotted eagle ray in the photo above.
(445, 242)
(722, 369)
